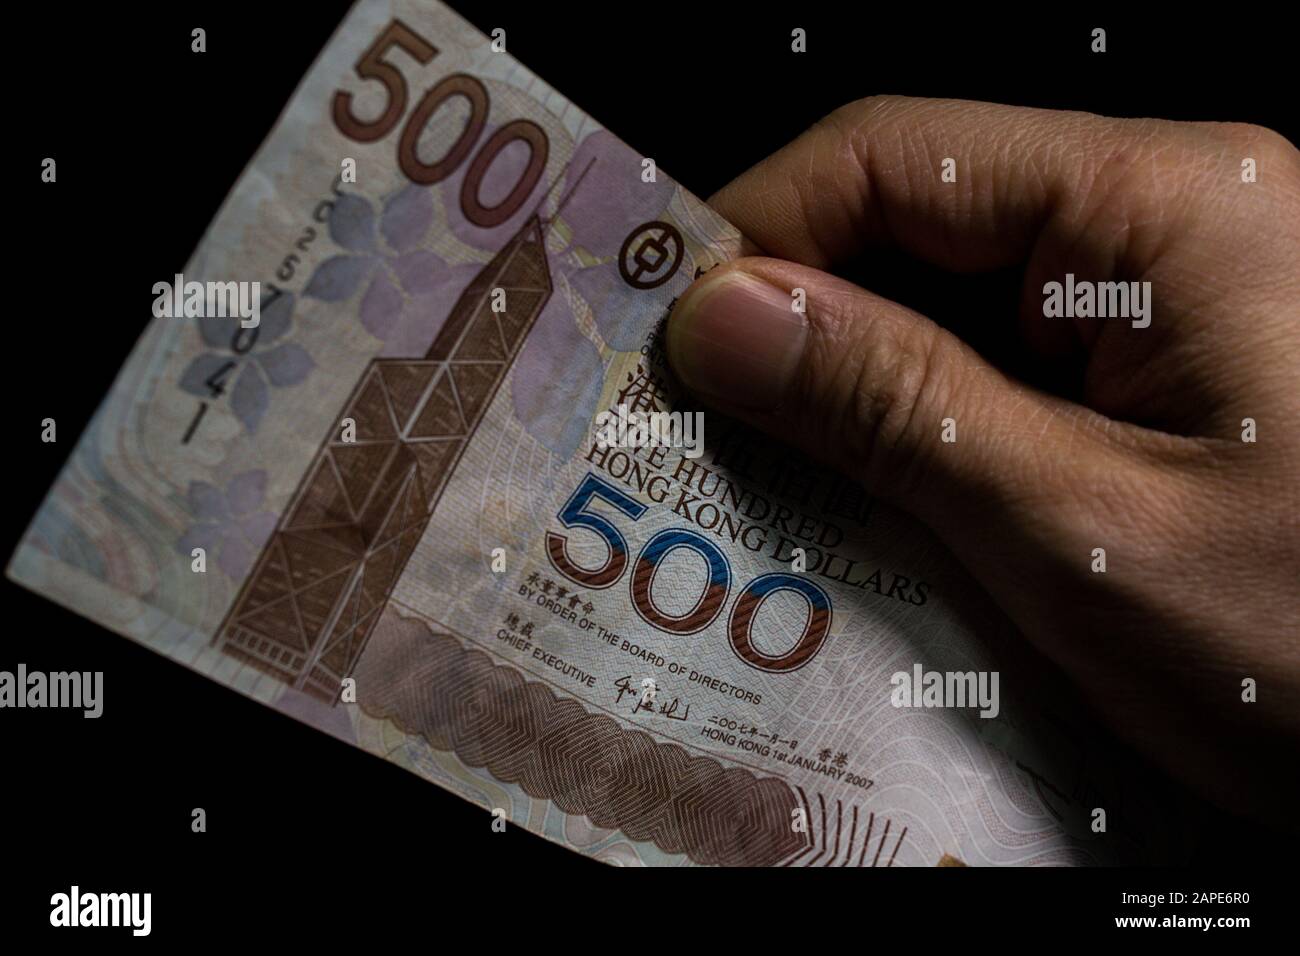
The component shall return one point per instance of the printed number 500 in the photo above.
(740, 624)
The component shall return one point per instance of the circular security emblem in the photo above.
(650, 256)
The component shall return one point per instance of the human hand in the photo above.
(1199, 526)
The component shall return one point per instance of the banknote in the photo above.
(377, 462)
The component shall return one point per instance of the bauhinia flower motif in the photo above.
(230, 524)
(266, 365)
(408, 289)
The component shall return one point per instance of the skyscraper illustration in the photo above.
(322, 580)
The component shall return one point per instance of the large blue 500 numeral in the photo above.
(740, 626)
(575, 515)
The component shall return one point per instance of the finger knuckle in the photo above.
(1258, 141)
(868, 108)
(874, 115)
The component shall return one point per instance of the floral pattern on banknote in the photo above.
(269, 365)
(407, 288)
(230, 523)
(409, 291)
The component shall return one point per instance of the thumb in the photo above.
(878, 391)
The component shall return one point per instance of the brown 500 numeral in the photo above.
(373, 66)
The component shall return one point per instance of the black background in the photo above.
(304, 833)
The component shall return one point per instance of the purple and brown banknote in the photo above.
(371, 494)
